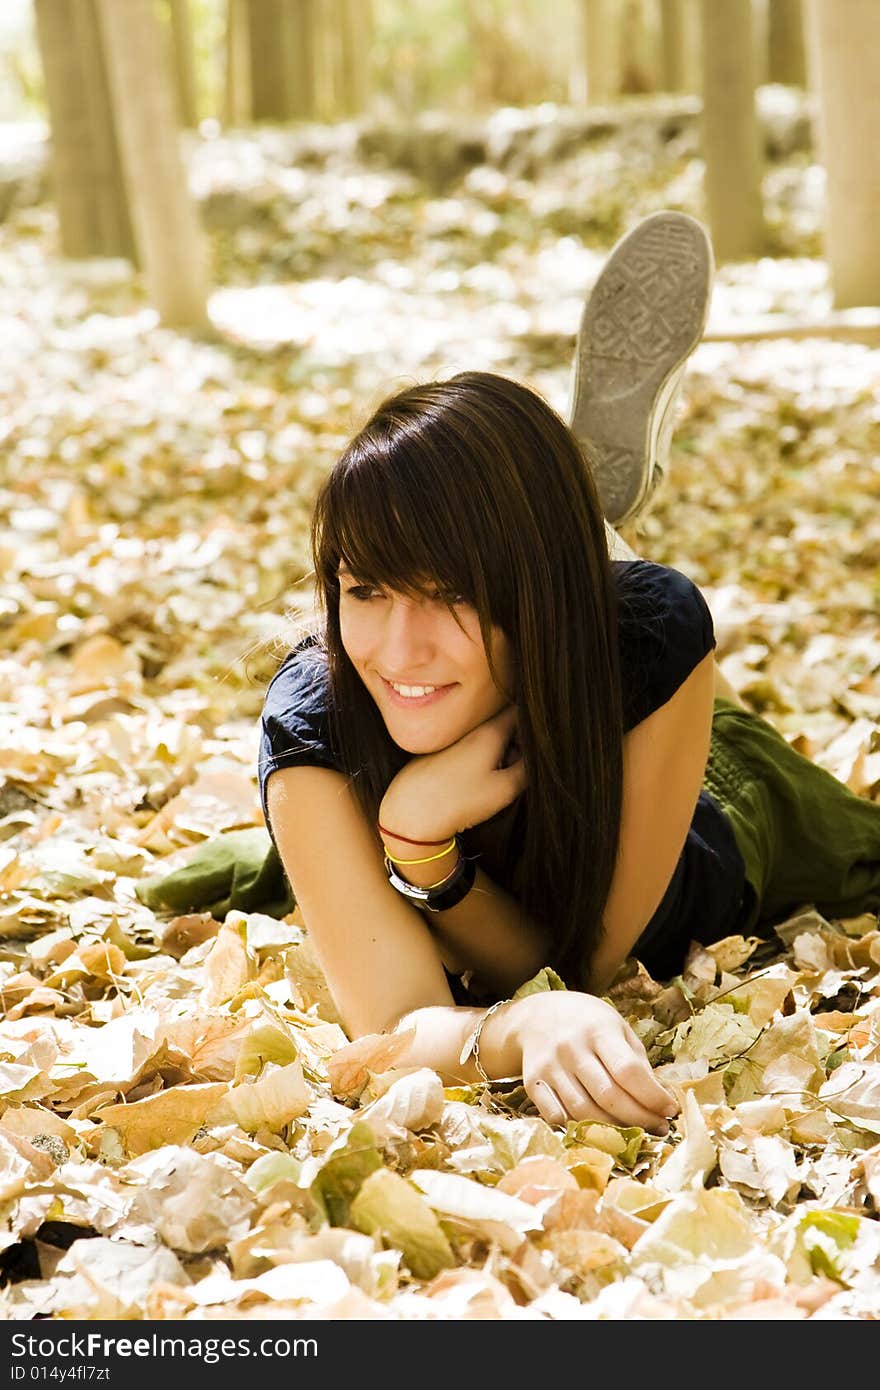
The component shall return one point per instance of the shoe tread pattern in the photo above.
(644, 317)
(650, 306)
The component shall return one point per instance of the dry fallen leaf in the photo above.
(350, 1067)
(169, 1117)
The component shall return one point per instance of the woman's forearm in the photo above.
(487, 932)
(441, 1033)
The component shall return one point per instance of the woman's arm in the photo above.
(381, 965)
(664, 761)
(384, 971)
(376, 952)
(338, 875)
(435, 796)
(487, 932)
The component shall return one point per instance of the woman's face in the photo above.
(416, 642)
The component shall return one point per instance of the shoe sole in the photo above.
(643, 319)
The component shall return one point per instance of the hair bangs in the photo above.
(395, 527)
(392, 516)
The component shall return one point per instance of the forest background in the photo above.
(226, 231)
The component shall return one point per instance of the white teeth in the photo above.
(411, 691)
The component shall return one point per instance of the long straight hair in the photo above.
(476, 485)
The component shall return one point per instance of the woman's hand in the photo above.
(438, 795)
(582, 1061)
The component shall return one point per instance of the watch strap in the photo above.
(444, 895)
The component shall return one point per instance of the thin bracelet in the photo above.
(429, 887)
(451, 874)
(473, 1044)
(406, 839)
(430, 858)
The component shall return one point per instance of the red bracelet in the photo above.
(407, 841)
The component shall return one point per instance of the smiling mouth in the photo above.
(404, 701)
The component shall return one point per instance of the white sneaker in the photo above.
(643, 318)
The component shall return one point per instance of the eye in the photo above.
(361, 592)
(448, 597)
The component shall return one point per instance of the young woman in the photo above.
(504, 749)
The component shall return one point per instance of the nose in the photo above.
(407, 642)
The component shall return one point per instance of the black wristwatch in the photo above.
(446, 894)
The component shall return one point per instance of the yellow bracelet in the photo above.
(431, 857)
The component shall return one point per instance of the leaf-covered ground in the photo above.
(186, 1131)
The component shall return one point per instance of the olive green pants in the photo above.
(805, 838)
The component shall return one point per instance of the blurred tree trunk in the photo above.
(844, 51)
(786, 61)
(166, 223)
(237, 77)
(110, 192)
(329, 50)
(268, 52)
(184, 61)
(303, 59)
(673, 41)
(636, 66)
(599, 48)
(354, 43)
(483, 18)
(330, 58)
(293, 53)
(731, 139)
(87, 177)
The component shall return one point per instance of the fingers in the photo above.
(547, 1102)
(503, 737)
(567, 1100)
(593, 1095)
(609, 1080)
(603, 1090)
(517, 777)
(632, 1075)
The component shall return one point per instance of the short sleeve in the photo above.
(666, 630)
(294, 724)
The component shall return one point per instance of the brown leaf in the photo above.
(182, 933)
(349, 1068)
(228, 967)
(169, 1117)
(536, 1178)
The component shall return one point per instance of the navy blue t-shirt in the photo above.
(665, 630)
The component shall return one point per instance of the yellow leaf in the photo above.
(536, 1178)
(591, 1168)
(228, 967)
(102, 959)
(389, 1206)
(170, 1117)
(281, 1095)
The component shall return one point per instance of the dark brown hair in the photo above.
(477, 484)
